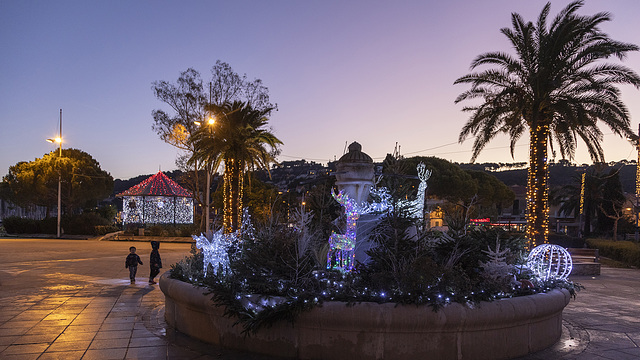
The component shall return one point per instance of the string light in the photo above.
(538, 187)
(341, 255)
(157, 200)
(233, 170)
(549, 262)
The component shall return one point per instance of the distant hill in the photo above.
(560, 173)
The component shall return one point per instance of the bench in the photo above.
(584, 254)
(585, 261)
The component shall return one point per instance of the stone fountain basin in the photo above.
(502, 329)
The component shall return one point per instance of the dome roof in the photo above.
(355, 155)
(157, 185)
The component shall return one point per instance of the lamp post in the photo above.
(58, 140)
(210, 122)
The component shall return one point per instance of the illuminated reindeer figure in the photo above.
(342, 247)
(416, 207)
(214, 251)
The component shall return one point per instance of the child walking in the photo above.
(132, 262)
(155, 263)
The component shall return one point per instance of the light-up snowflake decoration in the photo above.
(548, 262)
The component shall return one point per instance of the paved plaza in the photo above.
(72, 299)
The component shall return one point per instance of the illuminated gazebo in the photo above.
(157, 200)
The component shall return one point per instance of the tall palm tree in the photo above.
(556, 87)
(241, 141)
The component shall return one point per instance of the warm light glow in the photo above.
(197, 123)
(211, 120)
(57, 139)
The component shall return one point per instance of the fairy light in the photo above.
(215, 250)
(232, 216)
(538, 188)
(157, 200)
(341, 255)
(549, 262)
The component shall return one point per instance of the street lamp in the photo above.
(58, 139)
(210, 122)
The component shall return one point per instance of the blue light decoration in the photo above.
(341, 255)
(550, 262)
(215, 250)
(217, 245)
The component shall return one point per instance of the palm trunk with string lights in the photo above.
(537, 187)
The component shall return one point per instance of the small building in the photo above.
(157, 200)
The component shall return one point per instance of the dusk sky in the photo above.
(376, 72)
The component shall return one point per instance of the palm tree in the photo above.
(557, 88)
(240, 140)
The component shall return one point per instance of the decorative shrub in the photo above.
(274, 276)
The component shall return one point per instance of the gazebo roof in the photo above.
(157, 185)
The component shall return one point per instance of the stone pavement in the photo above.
(71, 299)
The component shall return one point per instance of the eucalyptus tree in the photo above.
(242, 142)
(557, 88)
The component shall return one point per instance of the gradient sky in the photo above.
(376, 72)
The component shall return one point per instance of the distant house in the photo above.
(157, 200)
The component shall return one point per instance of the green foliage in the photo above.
(18, 225)
(82, 224)
(556, 87)
(408, 266)
(84, 183)
(625, 251)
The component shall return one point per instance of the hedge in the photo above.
(83, 224)
(625, 251)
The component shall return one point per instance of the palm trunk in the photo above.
(537, 187)
(233, 185)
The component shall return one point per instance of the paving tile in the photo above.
(159, 352)
(76, 336)
(41, 329)
(109, 343)
(13, 331)
(115, 334)
(77, 345)
(19, 324)
(20, 356)
(56, 322)
(36, 339)
(24, 349)
(144, 333)
(86, 320)
(83, 328)
(105, 354)
(117, 326)
(147, 341)
(63, 355)
(8, 340)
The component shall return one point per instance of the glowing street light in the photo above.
(58, 139)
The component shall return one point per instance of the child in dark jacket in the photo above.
(155, 263)
(132, 262)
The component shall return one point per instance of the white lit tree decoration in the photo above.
(550, 262)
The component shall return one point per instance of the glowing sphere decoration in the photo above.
(550, 262)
